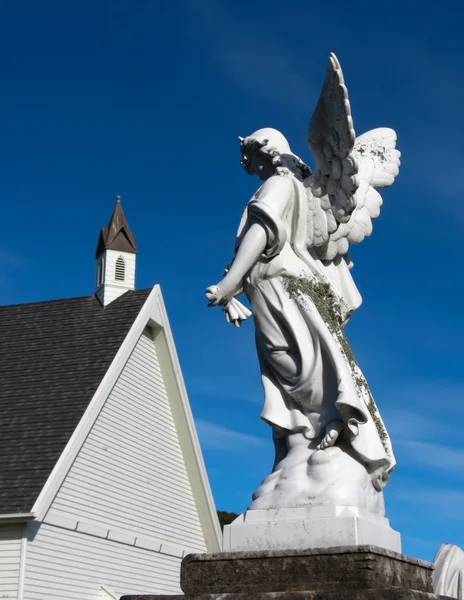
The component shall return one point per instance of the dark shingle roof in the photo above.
(53, 356)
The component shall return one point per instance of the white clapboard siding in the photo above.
(130, 472)
(112, 288)
(10, 557)
(67, 565)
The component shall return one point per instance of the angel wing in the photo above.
(341, 192)
(331, 138)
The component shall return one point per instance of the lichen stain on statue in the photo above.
(329, 308)
(291, 261)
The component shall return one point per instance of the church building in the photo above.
(103, 487)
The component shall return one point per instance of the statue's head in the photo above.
(267, 149)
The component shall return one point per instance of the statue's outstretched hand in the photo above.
(213, 295)
(224, 291)
(234, 310)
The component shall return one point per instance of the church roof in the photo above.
(53, 357)
(117, 236)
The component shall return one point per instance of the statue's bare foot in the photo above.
(332, 431)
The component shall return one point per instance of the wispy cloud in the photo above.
(8, 259)
(439, 456)
(9, 263)
(428, 432)
(425, 404)
(404, 424)
(258, 66)
(420, 542)
(220, 438)
(225, 388)
(447, 503)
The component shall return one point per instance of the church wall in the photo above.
(127, 488)
(10, 560)
(64, 564)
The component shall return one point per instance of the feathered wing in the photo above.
(379, 162)
(331, 138)
(342, 194)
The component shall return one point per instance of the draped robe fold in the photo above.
(290, 326)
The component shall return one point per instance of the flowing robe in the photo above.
(289, 327)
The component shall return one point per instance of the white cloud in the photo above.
(220, 438)
(8, 259)
(9, 262)
(256, 62)
(416, 424)
(445, 458)
(227, 388)
(428, 431)
(423, 397)
(403, 423)
(439, 501)
(422, 543)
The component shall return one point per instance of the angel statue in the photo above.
(291, 261)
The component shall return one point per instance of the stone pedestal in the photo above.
(303, 528)
(354, 573)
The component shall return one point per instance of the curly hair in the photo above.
(286, 160)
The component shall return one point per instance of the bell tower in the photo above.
(116, 253)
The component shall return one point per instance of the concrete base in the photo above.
(390, 594)
(374, 594)
(303, 528)
(349, 573)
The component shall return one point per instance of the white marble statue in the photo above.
(448, 573)
(292, 263)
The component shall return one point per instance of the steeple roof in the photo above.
(117, 236)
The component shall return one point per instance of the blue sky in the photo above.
(145, 99)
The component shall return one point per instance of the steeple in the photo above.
(116, 252)
(117, 236)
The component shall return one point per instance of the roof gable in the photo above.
(152, 314)
(53, 357)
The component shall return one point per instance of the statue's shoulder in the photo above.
(281, 183)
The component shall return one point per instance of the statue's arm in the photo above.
(251, 248)
(265, 236)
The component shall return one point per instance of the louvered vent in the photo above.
(120, 269)
(100, 271)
